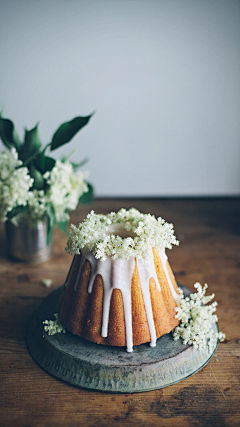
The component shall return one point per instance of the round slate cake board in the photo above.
(111, 369)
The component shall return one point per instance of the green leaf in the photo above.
(39, 181)
(46, 147)
(51, 222)
(88, 197)
(16, 211)
(78, 165)
(63, 225)
(44, 163)
(67, 131)
(26, 163)
(66, 158)
(32, 144)
(8, 134)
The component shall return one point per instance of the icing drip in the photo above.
(122, 272)
(164, 258)
(146, 271)
(117, 274)
(105, 271)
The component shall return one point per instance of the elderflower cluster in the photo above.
(197, 319)
(65, 188)
(53, 327)
(37, 204)
(14, 183)
(94, 234)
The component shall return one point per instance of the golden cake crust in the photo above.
(82, 312)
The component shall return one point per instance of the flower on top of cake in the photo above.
(124, 234)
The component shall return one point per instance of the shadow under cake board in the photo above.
(111, 369)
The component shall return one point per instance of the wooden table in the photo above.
(209, 231)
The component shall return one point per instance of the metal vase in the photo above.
(28, 242)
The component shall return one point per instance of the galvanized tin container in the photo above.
(28, 242)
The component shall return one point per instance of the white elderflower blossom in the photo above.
(65, 188)
(197, 319)
(15, 183)
(94, 234)
(47, 282)
(8, 162)
(63, 192)
(37, 204)
(53, 327)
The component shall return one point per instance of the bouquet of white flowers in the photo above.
(34, 185)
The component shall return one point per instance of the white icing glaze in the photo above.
(119, 230)
(121, 279)
(164, 258)
(146, 271)
(117, 274)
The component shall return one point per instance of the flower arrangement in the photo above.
(33, 184)
(94, 234)
(197, 319)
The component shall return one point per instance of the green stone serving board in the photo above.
(111, 369)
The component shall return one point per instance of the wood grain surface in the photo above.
(209, 232)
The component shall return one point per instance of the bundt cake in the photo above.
(120, 289)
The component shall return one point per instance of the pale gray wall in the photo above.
(162, 75)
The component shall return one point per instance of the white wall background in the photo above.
(162, 75)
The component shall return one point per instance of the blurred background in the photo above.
(163, 77)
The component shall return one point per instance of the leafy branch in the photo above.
(33, 156)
